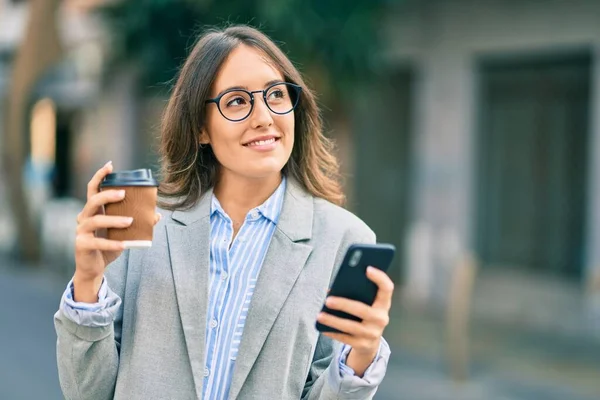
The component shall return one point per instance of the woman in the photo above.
(223, 306)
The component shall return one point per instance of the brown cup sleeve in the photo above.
(139, 203)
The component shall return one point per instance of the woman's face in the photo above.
(259, 146)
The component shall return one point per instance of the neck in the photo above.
(238, 195)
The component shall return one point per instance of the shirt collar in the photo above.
(270, 209)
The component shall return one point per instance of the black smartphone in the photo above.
(351, 280)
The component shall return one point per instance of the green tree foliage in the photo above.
(335, 39)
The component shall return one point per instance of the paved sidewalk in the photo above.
(508, 361)
(412, 377)
(28, 300)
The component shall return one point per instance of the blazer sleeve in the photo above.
(324, 381)
(88, 356)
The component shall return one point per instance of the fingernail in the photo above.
(370, 269)
(129, 220)
(121, 193)
(107, 164)
(159, 217)
(330, 301)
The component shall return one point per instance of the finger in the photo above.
(342, 337)
(94, 183)
(157, 217)
(86, 242)
(385, 287)
(97, 222)
(352, 307)
(100, 199)
(347, 326)
(369, 315)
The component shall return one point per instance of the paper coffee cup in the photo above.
(141, 191)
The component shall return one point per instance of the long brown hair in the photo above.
(189, 169)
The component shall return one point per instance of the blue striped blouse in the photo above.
(234, 268)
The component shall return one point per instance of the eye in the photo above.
(277, 94)
(236, 102)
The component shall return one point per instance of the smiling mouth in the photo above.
(261, 142)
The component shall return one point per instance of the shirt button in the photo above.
(224, 276)
(213, 323)
(206, 372)
(254, 214)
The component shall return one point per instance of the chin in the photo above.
(263, 172)
(265, 167)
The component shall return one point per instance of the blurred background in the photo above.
(469, 136)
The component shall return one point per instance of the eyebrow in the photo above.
(266, 85)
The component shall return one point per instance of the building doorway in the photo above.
(62, 180)
(532, 167)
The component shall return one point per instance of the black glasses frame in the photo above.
(295, 98)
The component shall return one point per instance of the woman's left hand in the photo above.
(363, 337)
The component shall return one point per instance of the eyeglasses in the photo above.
(237, 104)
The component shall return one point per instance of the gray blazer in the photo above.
(155, 348)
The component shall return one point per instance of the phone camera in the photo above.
(355, 258)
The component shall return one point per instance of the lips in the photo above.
(261, 141)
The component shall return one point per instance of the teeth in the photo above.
(262, 142)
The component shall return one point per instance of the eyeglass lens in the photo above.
(280, 98)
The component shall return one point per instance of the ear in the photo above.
(204, 138)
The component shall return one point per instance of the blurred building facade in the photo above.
(76, 120)
(491, 114)
(482, 138)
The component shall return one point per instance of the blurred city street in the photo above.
(30, 296)
(467, 133)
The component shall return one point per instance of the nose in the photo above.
(261, 115)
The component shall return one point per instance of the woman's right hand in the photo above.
(93, 252)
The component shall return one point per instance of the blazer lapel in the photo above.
(189, 248)
(283, 263)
